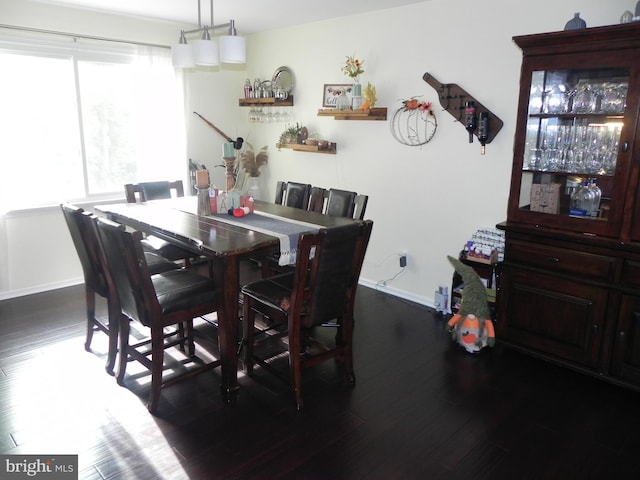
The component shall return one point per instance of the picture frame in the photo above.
(332, 91)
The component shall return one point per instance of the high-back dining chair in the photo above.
(167, 299)
(343, 203)
(293, 194)
(146, 191)
(321, 291)
(141, 192)
(97, 281)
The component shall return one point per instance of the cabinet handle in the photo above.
(553, 259)
(595, 329)
(625, 147)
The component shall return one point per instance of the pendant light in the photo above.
(205, 51)
(182, 54)
(233, 48)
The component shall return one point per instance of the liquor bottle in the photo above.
(247, 88)
(470, 118)
(582, 201)
(483, 130)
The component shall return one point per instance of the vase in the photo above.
(356, 95)
(253, 187)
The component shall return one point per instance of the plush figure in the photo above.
(471, 327)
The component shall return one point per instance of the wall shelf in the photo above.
(330, 147)
(267, 102)
(371, 114)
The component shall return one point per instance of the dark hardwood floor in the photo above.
(422, 408)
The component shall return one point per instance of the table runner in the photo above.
(287, 230)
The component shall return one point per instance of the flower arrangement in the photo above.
(251, 162)
(353, 67)
(415, 104)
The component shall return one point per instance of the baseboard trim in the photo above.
(40, 288)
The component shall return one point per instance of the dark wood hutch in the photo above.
(569, 288)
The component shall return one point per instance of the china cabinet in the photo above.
(569, 288)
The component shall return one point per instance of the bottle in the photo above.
(256, 88)
(597, 195)
(247, 88)
(582, 201)
(483, 130)
(470, 118)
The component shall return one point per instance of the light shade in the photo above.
(182, 53)
(205, 53)
(205, 50)
(233, 49)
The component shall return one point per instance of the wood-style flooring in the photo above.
(422, 408)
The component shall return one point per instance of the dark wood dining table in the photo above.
(176, 221)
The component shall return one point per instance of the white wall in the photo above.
(426, 200)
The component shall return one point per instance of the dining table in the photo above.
(225, 240)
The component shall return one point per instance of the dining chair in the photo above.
(97, 281)
(320, 292)
(145, 191)
(163, 300)
(317, 199)
(343, 203)
(141, 192)
(293, 194)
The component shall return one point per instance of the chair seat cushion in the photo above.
(182, 289)
(274, 291)
(167, 250)
(158, 264)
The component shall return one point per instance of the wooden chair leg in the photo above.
(248, 323)
(123, 354)
(114, 328)
(157, 364)
(91, 315)
(295, 362)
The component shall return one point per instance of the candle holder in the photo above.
(230, 164)
(204, 206)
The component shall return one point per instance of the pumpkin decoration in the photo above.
(471, 327)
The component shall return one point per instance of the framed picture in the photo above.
(332, 91)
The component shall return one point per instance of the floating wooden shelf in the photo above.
(330, 147)
(371, 114)
(269, 102)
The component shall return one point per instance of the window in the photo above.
(80, 121)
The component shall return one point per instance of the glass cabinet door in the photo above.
(571, 146)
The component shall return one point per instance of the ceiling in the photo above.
(251, 16)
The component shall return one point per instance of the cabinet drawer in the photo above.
(631, 274)
(561, 260)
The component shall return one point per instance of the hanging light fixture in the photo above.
(182, 53)
(233, 48)
(205, 51)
